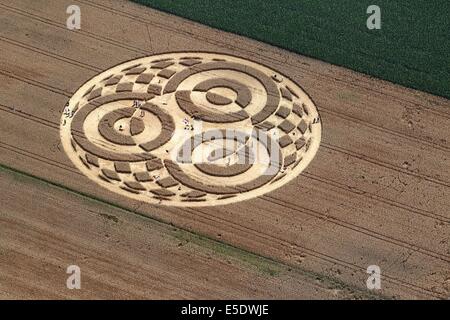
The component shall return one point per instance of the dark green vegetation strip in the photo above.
(412, 48)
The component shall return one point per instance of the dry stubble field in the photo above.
(376, 193)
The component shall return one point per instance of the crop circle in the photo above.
(190, 129)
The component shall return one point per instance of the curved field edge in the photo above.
(410, 49)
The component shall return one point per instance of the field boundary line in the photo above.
(306, 273)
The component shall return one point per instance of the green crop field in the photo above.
(412, 48)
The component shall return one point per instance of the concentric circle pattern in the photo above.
(190, 129)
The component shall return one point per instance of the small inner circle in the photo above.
(122, 126)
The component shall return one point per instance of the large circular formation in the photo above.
(190, 129)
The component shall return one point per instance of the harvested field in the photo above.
(128, 256)
(377, 191)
